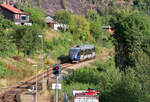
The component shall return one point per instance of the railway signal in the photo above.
(57, 69)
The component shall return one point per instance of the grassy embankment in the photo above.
(17, 68)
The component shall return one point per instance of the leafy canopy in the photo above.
(81, 27)
(132, 33)
(93, 16)
(26, 38)
(37, 16)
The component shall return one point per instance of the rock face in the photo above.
(73, 6)
(51, 6)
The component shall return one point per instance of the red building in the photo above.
(14, 14)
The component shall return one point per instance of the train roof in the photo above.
(83, 47)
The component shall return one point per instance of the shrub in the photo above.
(37, 16)
(4, 71)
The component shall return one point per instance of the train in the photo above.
(89, 95)
(82, 52)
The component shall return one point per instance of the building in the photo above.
(54, 25)
(109, 29)
(50, 22)
(14, 14)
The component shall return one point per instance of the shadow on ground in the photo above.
(64, 59)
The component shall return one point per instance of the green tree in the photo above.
(63, 17)
(37, 16)
(80, 28)
(6, 46)
(26, 38)
(92, 16)
(96, 30)
(131, 32)
(132, 39)
(143, 5)
(4, 23)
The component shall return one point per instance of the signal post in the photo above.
(56, 71)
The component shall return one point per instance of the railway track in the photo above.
(13, 94)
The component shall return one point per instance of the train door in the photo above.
(81, 55)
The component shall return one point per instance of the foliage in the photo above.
(96, 30)
(92, 76)
(63, 17)
(6, 46)
(131, 33)
(64, 43)
(93, 16)
(3, 71)
(111, 82)
(26, 38)
(143, 5)
(132, 46)
(4, 23)
(80, 28)
(37, 16)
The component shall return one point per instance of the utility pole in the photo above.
(47, 75)
(42, 59)
(36, 98)
(56, 88)
(40, 36)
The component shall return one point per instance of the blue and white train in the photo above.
(82, 52)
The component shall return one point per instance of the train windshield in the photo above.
(73, 51)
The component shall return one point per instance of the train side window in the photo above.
(93, 49)
(88, 51)
(81, 52)
(85, 52)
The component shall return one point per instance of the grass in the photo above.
(15, 71)
(56, 43)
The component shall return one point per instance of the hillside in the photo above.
(73, 6)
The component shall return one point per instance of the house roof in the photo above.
(49, 20)
(106, 27)
(11, 8)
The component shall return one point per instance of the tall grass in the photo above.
(3, 71)
(84, 75)
(60, 46)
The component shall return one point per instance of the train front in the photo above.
(74, 54)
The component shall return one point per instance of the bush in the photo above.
(6, 46)
(37, 16)
(84, 75)
(5, 23)
(96, 30)
(4, 71)
(80, 28)
(26, 38)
